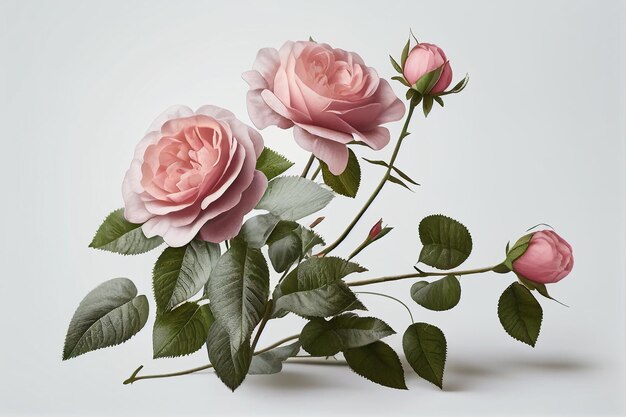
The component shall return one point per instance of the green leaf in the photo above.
(398, 181)
(405, 52)
(238, 290)
(427, 105)
(439, 295)
(272, 164)
(460, 86)
(309, 239)
(230, 362)
(346, 183)
(425, 349)
(447, 243)
(315, 288)
(397, 170)
(179, 273)
(285, 252)
(428, 80)
(377, 362)
(517, 250)
(401, 79)
(327, 338)
(396, 66)
(118, 235)
(520, 314)
(439, 100)
(181, 331)
(271, 362)
(256, 230)
(292, 198)
(109, 315)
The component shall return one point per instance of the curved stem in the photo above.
(305, 171)
(134, 376)
(378, 188)
(418, 275)
(390, 297)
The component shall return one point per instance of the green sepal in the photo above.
(427, 105)
(428, 80)
(396, 66)
(405, 52)
(517, 250)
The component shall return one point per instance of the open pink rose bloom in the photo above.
(548, 258)
(194, 173)
(328, 95)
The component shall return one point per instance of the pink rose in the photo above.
(424, 58)
(328, 94)
(547, 259)
(194, 173)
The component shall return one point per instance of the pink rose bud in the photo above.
(424, 58)
(547, 259)
(376, 229)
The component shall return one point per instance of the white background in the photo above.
(537, 136)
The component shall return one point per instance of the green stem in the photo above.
(390, 297)
(134, 376)
(305, 171)
(316, 172)
(264, 320)
(418, 275)
(377, 190)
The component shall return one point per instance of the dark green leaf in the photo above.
(109, 315)
(520, 314)
(179, 273)
(501, 269)
(346, 183)
(181, 331)
(425, 349)
(401, 79)
(256, 230)
(271, 362)
(272, 164)
(231, 362)
(398, 181)
(118, 235)
(377, 362)
(292, 198)
(315, 288)
(405, 52)
(377, 162)
(238, 290)
(404, 176)
(439, 295)
(459, 86)
(285, 252)
(447, 243)
(327, 338)
(438, 100)
(427, 105)
(395, 64)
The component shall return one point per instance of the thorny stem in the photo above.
(377, 190)
(134, 376)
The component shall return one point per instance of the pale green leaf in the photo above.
(179, 273)
(292, 198)
(271, 362)
(116, 234)
(109, 315)
(181, 331)
(238, 290)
